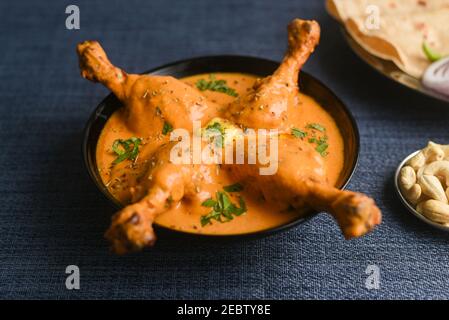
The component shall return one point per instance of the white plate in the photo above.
(389, 69)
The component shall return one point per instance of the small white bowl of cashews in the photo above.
(422, 182)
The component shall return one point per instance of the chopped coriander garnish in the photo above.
(215, 85)
(206, 219)
(236, 187)
(209, 203)
(321, 148)
(321, 143)
(217, 128)
(431, 55)
(316, 126)
(242, 204)
(223, 209)
(126, 149)
(298, 133)
(167, 128)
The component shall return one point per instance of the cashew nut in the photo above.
(434, 210)
(443, 147)
(439, 169)
(432, 187)
(417, 161)
(419, 207)
(407, 177)
(409, 188)
(433, 152)
(413, 194)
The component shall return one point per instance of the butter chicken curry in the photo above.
(134, 152)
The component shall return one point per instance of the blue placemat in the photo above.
(52, 216)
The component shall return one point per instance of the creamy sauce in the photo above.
(186, 215)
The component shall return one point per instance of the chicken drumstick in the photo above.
(147, 98)
(273, 98)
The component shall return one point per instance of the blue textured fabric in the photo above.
(52, 216)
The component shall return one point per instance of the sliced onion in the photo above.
(436, 76)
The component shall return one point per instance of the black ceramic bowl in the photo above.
(250, 65)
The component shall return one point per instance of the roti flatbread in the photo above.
(401, 29)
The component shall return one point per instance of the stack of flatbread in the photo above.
(396, 29)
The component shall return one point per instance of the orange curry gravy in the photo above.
(186, 215)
